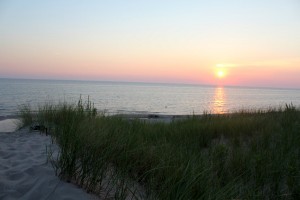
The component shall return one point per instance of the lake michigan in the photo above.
(142, 98)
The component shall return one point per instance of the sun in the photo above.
(220, 70)
(220, 73)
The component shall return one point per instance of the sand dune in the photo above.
(25, 172)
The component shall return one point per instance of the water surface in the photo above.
(134, 98)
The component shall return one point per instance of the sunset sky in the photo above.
(232, 42)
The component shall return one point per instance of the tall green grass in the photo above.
(243, 155)
(26, 114)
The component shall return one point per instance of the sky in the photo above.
(216, 42)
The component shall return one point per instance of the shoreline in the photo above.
(11, 123)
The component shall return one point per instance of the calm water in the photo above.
(114, 97)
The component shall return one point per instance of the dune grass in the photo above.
(243, 155)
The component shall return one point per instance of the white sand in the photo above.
(9, 125)
(25, 173)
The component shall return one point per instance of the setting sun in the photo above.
(220, 70)
(220, 74)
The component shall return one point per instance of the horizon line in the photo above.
(153, 82)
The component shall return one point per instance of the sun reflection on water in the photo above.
(219, 98)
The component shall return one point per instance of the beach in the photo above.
(25, 168)
(153, 100)
(150, 156)
(25, 172)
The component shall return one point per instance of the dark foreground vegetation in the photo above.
(243, 155)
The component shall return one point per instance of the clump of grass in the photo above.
(243, 155)
(26, 114)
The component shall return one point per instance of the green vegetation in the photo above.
(26, 115)
(243, 155)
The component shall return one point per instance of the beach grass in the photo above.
(243, 155)
(26, 115)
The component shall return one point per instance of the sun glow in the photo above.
(221, 70)
(220, 73)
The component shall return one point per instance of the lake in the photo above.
(141, 98)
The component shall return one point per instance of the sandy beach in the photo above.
(24, 170)
(8, 125)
